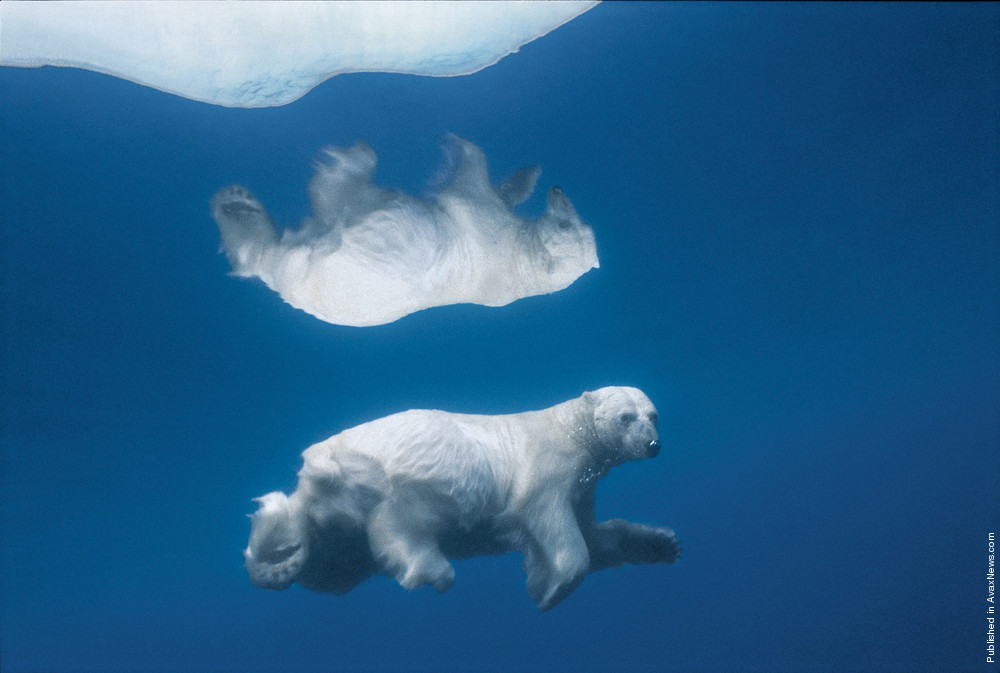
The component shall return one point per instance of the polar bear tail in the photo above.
(277, 548)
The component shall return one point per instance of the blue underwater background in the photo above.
(797, 210)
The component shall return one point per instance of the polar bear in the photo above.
(369, 256)
(401, 495)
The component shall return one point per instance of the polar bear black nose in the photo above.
(654, 448)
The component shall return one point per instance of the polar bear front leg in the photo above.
(617, 541)
(556, 560)
(403, 538)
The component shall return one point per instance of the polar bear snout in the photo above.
(639, 440)
(643, 435)
(654, 449)
(646, 440)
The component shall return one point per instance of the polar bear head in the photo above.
(624, 424)
(567, 241)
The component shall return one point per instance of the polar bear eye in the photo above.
(653, 418)
(625, 419)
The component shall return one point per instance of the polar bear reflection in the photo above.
(403, 494)
(370, 256)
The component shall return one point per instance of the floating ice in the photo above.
(369, 256)
(259, 54)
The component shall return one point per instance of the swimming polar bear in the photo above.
(369, 256)
(401, 495)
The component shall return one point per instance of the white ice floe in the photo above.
(259, 54)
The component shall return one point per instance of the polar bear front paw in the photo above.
(659, 545)
(439, 574)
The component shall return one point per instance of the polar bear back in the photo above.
(463, 458)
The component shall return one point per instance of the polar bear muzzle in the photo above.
(654, 449)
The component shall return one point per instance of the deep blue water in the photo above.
(797, 210)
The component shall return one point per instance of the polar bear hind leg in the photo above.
(246, 229)
(339, 560)
(278, 545)
(403, 533)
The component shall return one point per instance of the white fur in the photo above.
(369, 256)
(402, 494)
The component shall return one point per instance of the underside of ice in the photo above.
(259, 54)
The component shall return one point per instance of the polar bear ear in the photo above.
(559, 205)
(519, 185)
(470, 178)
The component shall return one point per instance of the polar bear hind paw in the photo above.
(236, 201)
(276, 552)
